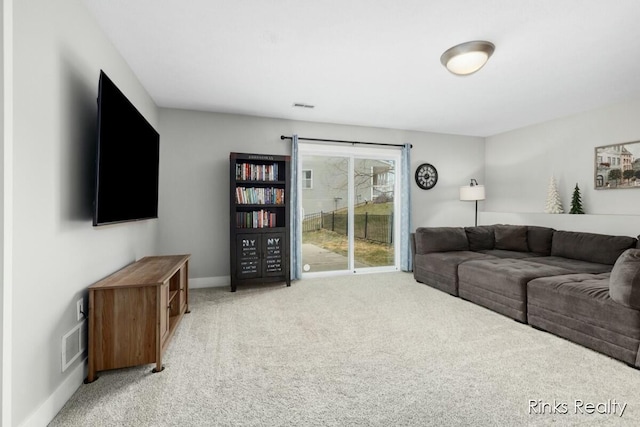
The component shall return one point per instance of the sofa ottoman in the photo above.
(578, 307)
(501, 284)
(440, 269)
(438, 252)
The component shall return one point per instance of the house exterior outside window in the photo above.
(383, 180)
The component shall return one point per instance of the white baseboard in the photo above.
(50, 408)
(209, 282)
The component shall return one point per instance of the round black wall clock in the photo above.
(426, 176)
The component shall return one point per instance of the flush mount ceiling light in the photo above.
(467, 58)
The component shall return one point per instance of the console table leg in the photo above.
(91, 377)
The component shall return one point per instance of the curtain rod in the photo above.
(345, 142)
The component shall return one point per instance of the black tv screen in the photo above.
(128, 152)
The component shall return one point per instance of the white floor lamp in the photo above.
(472, 193)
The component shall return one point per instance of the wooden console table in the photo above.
(134, 312)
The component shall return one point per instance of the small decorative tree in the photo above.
(576, 202)
(554, 204)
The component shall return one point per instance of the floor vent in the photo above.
(74, 344)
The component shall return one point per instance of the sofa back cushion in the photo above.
(600, 248)
(624, 283)
(480, 238)
(441, 239)
(539, 239)
(511, 237)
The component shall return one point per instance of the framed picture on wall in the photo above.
(617, 166)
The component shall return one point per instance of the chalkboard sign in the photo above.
(273, 253)
(248, 255)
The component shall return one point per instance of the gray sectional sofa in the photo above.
(581, 286)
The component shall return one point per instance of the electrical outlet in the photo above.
(80, 309)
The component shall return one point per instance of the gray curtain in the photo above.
(406, 261)
(296, 221)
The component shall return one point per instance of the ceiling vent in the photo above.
(301, 105)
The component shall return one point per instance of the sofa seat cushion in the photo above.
(502, 253)
(501, 284)
(574, 265)
(578, 307)
(440, 269)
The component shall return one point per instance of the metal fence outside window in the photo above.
(373, 227)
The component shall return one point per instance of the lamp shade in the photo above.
(471, 193)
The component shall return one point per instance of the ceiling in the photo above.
(377, 62)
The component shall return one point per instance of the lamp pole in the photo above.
(476, 213)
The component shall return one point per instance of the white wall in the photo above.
(519, 163)
(194, 178)
(4, 359)
(59, 52)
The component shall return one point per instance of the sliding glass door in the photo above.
(349, 200)
(325, 223)
(373, 213)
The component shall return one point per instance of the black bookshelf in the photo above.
(259, 219)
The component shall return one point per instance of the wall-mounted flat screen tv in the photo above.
(128, 152)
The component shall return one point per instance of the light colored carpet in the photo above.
(364, 350)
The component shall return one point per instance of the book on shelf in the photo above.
(256, 219)
(259, 196)
(254, 172)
